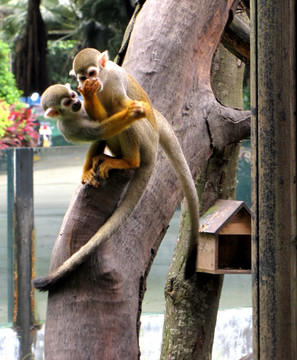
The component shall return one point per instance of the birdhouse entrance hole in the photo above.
(234, 252)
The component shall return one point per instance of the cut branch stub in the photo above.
(227, 125)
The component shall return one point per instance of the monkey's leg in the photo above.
(88, 175)
(129, 156)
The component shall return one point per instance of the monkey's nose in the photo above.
(76, 106)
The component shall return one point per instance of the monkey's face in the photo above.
(88, 64)
(59, 101)
(91, 73)
(70, 103)
(83, 63)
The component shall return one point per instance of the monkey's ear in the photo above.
(103, 58)
(52, 113)
(72, 72)
(68, 86)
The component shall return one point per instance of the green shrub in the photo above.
(8, 89)
(59, 61)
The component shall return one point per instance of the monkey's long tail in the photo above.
(135, 189)
(173, 150)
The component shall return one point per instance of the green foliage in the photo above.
(92, 23)
(59, 60)
(8, 88)
(103, 24)
(14, 19)
(89, 23)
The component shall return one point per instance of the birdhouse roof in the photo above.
(220, 214)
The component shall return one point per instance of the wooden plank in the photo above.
(218, 215)
(239, 224)
(274, 179)
(23, 242)
(254, 177)
(207, 251)
(225, 271)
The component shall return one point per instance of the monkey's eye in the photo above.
(82, 78)
(73, 95)
(92, 72)
(67, 102)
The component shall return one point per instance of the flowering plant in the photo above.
(17, 126)
(4, 121)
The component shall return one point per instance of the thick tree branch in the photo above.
(236, 39)
(170, 54)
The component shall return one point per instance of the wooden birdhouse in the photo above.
(225, 239)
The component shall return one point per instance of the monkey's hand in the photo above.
(90, 88)
(138, 109)
(93, 106)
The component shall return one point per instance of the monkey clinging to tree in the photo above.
(135, 147)
(76, 123)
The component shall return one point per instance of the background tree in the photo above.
(70, 26)
(104, 295)
(29, 64)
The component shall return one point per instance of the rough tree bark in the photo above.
(29, 64)
(95, 314)
(192, 306)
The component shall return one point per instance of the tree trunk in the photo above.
(30, 53)
(191, 307)
(95, 315)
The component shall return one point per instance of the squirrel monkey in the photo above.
(88, 121)
(137, 148)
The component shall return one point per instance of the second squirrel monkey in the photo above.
(137, 146)
(88, 121)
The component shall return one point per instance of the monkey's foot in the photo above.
(98, 165)
(90, 88)
(138, 109)
(113, 163)
(89, 177)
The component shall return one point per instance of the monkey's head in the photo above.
(88, 64)
(59, 101)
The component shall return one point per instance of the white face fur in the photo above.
(92, 73)
(67, 102)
